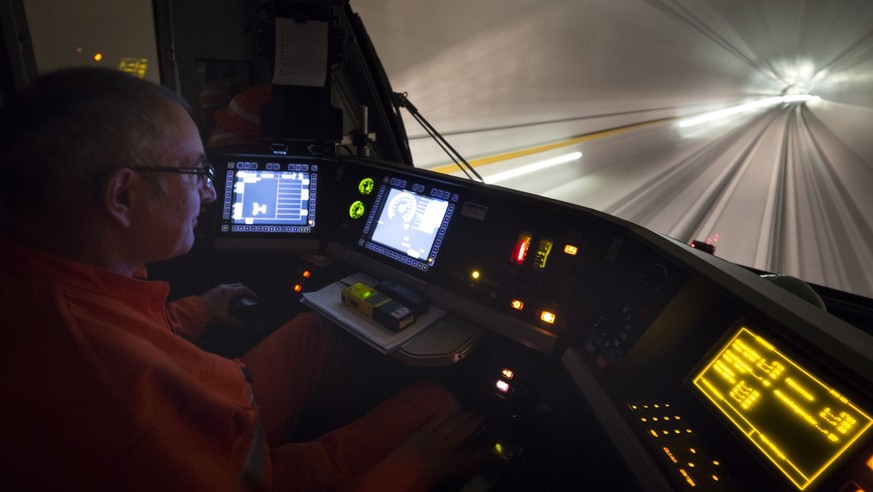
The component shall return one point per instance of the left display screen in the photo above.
(270, 201)
(264, 199)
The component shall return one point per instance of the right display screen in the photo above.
(795, 419)
(408, 222)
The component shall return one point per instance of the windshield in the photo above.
(746, 125)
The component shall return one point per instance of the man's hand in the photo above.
(218, 301)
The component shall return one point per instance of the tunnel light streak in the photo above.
(763, 103)
(798, 98)
(532, 168)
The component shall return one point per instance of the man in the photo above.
(101, 174)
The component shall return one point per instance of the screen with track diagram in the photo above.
(269, 201)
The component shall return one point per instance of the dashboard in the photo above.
(701, 374)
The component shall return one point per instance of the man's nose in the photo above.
(207, 192)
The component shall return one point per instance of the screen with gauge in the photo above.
(408, 222)
(794, 419)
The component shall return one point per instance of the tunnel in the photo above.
(675, 108)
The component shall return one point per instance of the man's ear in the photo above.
(119, 196)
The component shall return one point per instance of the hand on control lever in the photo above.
(243, 307)
(226, 301)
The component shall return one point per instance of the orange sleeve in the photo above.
(188, 317)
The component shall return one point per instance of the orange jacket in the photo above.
(88, 358)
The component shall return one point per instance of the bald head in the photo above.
(67, 131)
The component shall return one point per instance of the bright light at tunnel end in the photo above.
(532, 168)
(762, 103)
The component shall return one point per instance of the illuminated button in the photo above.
(571, 249)
(306, 274)
(507, 373)
(504, 452)
(475, 274)
(870, 462)
(517, 304)
(357, 209)
(522, 245)
(548, 317)
(687, 477)
(297, 287)
(502, 386)
(365, 187)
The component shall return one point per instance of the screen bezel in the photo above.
(229, 236)
(736, 422)
(230, 224)
(381, 202)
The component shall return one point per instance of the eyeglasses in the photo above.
(205, 171)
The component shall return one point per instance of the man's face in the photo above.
(172, 212)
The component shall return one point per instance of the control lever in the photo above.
(243, 307)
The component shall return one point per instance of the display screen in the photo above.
(408, 224)
(796, 420)
(269, 198)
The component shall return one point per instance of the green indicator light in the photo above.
(366, 186)
(356, 211)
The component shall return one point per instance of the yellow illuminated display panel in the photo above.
(544, 249)
(798, 422)
(134, 66)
